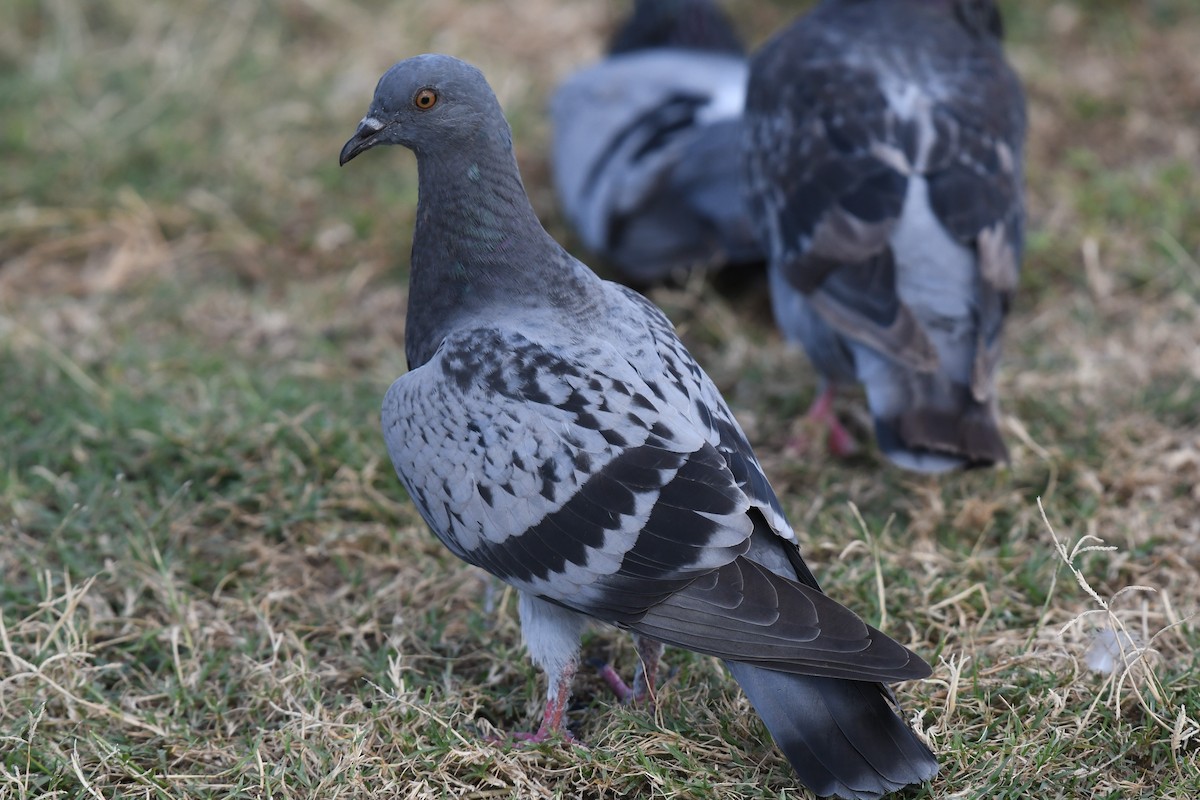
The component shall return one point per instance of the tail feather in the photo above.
(842, 737)
(929, 436)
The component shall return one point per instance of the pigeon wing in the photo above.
(565, 473)
(976, 191)
(828, 162)
(824, 179)
(622, 125)
(559, 471)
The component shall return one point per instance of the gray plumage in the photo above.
(553, 430)
(883, 154)
(645, 143)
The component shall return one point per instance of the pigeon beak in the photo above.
(366, 137)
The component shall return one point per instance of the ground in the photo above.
(212, 585)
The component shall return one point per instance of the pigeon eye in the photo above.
(425, 99)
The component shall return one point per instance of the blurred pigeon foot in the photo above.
(820, 417)
(644, 680)
(625, 693)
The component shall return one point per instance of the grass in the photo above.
(212, 585)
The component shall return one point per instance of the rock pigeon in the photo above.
(554, 431)
(645, 143)
(883, 156)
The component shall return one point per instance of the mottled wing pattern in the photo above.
(814, 131)
(689, 389)
(828, 198)
(835, 129)
(976, 191)
(586, 477)
(560, 471)
(746, 610)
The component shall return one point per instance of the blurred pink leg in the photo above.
(644, 680)
(820, 414)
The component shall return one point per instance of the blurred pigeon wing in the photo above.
(857, 131)
(625, 131)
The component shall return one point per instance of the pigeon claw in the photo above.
(553, 723)
(642, 692)
(614, 682)
(821, 415)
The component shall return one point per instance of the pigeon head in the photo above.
(980, 17)
(429, 103)
(686, 24)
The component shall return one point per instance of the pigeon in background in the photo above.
(883, 156)
(645, 143)
(554, 431)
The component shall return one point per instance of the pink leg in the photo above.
(556, 706)
(820, 413)
(614, 681)
(644, 680)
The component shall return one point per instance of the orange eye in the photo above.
(425, 99)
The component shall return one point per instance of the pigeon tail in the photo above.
(842, 737)
(932, 440)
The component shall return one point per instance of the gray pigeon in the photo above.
(645, 143)
(883, 155)
(554, 431)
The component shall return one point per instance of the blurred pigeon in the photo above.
(883, 154)
(644, 144)
(554, 431)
